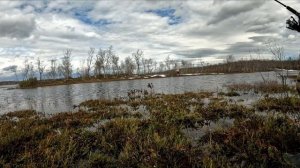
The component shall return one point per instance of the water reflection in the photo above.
(62, 98)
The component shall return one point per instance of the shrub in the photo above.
(29, 83)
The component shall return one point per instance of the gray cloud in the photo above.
(10, 68)
(204, 52)
(262, 29)
(216, 2)
(264, 23)
(262, 39)
(232, 9)
(241, 47)
(16, 26)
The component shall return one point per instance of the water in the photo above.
(56, 99)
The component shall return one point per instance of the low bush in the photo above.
(30, 83)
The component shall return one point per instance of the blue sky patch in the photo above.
(37, 10)
(82, 15)
(167, 12)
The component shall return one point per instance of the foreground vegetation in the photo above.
(154, 130)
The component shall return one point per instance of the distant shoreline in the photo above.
(2, 83)
(242, 66)
(58, 82)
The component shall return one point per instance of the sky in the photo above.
(206, 30)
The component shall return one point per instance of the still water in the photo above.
(56, 99)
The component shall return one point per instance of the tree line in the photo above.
(101, 63)
(246, 66)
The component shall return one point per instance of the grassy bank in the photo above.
(155, 130)
(56, 82)
(33, 83)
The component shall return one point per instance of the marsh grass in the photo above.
(221, 109)
(281, 104)
(260, 87)
(126, 139)
(257, 141)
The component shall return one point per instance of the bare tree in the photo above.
(229, 58)
(82, 71)
(149, 65)
(128, 66)
(168, 63)
(79, 73)
(40, 67)
(122, 68)
(60, 72)
(25, 70)
(184, 63)
(138, 58)
(277, 51)
(89, 61)
(172, 63)
(66, 66)
(115, 62)
(31, 74)
(53, 69)
(144, 62)
(162, 67)
(107, 59)
(155, 65)
(202, 64)
(99, 63)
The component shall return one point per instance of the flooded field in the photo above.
(63, 98)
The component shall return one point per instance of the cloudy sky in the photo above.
(193, 30)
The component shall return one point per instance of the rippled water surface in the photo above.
(62, 98)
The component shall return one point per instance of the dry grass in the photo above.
(261, 87)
